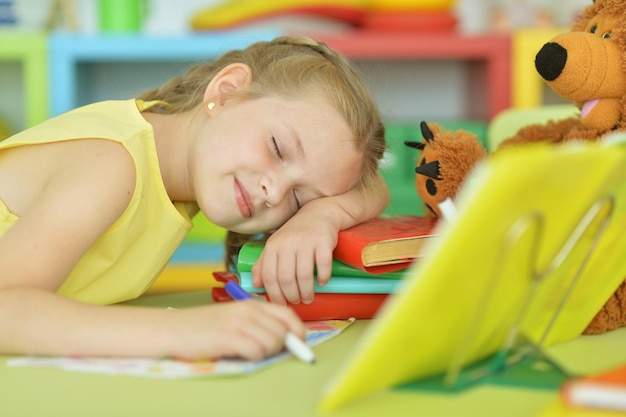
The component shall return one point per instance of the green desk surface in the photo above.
(289, 388)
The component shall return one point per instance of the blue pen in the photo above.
(294, 345)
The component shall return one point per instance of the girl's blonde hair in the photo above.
(289, 67)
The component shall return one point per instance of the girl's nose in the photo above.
(274, 190)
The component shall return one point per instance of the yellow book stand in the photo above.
(535, 250)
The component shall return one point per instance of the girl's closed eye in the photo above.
(276, 148)
(295, 196)
(280, 156)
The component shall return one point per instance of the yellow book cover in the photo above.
(525, 222)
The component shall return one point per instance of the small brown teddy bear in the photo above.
(444, 154)
(586, 66)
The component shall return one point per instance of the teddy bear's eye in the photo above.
(607, 35)
(593, 29)
(431, 187)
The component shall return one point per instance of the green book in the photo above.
(250, 252)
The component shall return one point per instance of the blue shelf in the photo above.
(67, 51)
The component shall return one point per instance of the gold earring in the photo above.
(210, 106)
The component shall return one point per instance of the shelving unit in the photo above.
(74, 61)
(488, 60)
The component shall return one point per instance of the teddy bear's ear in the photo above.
(426, 132)
(416, 145)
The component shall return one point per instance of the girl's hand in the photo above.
(307, 241)
(249, 329)
(286, 267)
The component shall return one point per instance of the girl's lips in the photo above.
(243, 200)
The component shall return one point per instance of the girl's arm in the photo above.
(36, 321)
(63, 207)
(307, 240)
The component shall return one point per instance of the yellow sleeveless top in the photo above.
(130, 255)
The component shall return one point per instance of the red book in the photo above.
(606, 390)
(325, 306)
(385, 244)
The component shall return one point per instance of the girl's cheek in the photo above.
(281, 215)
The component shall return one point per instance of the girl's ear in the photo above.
(229, 79)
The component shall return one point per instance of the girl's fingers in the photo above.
(287, 278)
(265, 272)
(263, 329)
(305, 279)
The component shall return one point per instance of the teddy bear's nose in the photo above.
(550, 61)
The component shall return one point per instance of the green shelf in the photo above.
(30, 51)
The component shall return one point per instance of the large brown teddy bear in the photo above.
(586, 66)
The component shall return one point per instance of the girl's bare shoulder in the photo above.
(66, 171)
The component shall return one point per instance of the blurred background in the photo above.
(394, 79)
(173, 17)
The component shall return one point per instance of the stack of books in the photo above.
(369, 263)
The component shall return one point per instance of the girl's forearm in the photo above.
(353, 207)
(37, 322)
